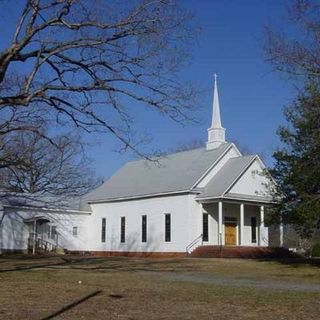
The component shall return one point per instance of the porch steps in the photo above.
(241, 252)
(43, 252)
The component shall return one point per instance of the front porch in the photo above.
(43, 236)
(234, 223)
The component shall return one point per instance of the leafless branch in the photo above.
(83, 59)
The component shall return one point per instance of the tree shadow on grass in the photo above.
(126, 265)
(106, 264)
(31, 267)
(297, 262)
(66, 261)
(72, 305)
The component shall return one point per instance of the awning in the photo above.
(42, 219)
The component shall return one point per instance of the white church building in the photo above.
(208, 196)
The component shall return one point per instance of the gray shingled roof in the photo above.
(41, 201)
(172, 173)
(220, 183)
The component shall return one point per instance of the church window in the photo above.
(123, 230)
(75, 231)
(167, 227)
(53, 233)
(103, 230)
(205, 227)
(144, 228)
(253, 229)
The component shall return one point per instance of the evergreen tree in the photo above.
(297, 163)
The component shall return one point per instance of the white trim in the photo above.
(240, 175)
(240, 154)
(220, 224)
(261, 225)
(241, 225)
(49, 209)
(151, 195)
(236, 199)
(264, 167)
(281, 234)
(224, 194)
(214, 164)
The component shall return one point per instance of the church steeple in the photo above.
(216, 133)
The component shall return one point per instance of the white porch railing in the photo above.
(35, 243)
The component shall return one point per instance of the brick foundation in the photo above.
(242, 252)
(12, 251)
(129, 254)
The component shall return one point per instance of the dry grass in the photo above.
(122, 288)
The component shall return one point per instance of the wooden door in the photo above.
(230, 231)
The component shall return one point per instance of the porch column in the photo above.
(281, 232)
(241, 224)
(202, 212)
(34, 236)
(261, 225)
(220, 242)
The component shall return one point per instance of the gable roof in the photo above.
(226, 176)
(175, 172)
(43, 202)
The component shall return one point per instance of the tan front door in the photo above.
(230, 231)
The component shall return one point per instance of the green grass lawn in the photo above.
(124, 288)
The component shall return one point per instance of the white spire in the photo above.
(216, 133)
(216, 120)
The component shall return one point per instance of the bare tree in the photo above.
(84, 63)
(43, 168)
(296, 53)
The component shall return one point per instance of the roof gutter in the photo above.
(233, 199)
(48, 209)
(144, 196)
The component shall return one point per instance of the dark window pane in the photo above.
(123, 230)
(205, 227)
(103, 230)
(168, 227)
(144, 229)
(53, 232)
(253, 229)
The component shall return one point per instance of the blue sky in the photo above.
(251, 95)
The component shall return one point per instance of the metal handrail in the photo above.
(193, 243)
